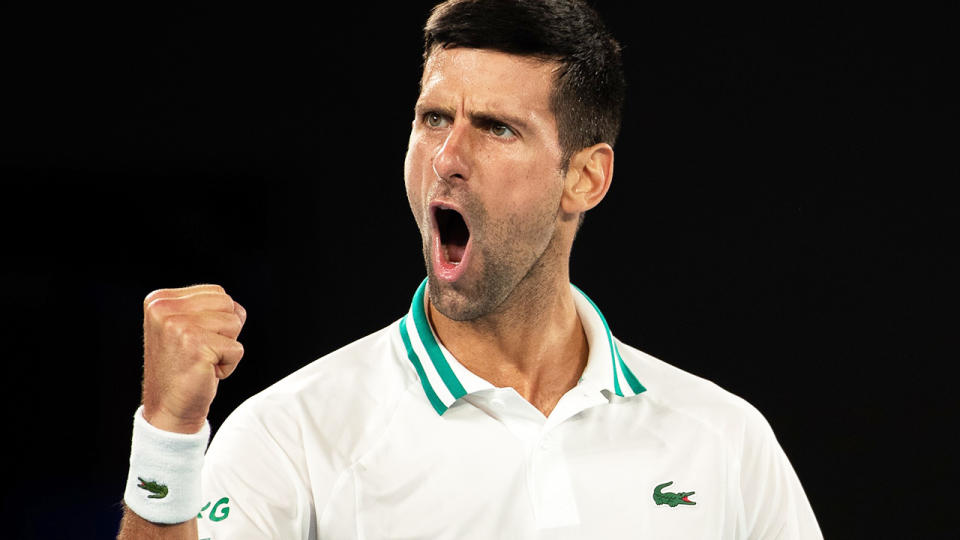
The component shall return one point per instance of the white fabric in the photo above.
(172, 462)
(350, 447)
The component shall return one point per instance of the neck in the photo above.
(534, 343)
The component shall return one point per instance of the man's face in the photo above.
(483, 175)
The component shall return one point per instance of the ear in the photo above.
(588, 178)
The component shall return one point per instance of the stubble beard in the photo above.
(509, 252)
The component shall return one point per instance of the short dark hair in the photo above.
(589, 87)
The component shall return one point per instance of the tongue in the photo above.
(455, 252)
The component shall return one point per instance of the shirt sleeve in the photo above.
(775, 505)
(251, 486)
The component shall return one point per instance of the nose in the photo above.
(453, 158)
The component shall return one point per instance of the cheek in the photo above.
(413, 196)
(534, 188)
(408, 162)
(413, 176)
(407, 176)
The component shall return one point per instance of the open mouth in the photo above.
(454, 234)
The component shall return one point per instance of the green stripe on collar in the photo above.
(631, 379)
(627, 374)
(450, 380)
(415, 360)
(430, 344)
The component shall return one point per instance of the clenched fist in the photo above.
(189, 344)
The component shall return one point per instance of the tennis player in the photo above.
(500, 405)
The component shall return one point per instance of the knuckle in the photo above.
(178, 329)
(223, 301)
(188, 334)
(171, 326)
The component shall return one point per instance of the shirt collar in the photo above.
(445, 380)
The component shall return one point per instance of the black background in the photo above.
(778, 223)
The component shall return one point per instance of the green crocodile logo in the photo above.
(672, 499)
(158, 491)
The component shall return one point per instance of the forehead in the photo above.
(484, 78)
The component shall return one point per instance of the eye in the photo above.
(501, 130)
(434, 119)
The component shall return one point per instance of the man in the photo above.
(500, 406)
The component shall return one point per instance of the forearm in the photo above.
(134, 527)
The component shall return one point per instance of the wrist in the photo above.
(163, 485)
(161, 419)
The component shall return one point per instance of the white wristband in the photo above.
(163, 485)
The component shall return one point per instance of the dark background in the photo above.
(778, 224)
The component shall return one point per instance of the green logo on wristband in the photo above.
(158, 491)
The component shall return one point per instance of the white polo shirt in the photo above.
(391, 437)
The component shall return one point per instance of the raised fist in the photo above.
(189, 344)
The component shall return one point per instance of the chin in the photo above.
(457, 303)
(450, 300)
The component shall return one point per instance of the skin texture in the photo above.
(505, 178)
(189, 343)
(134, 527)
(484, 140)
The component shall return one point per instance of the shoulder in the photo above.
(676, 393)
(285, 451)
(366, 369)
(344, 396)
(687, 411)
